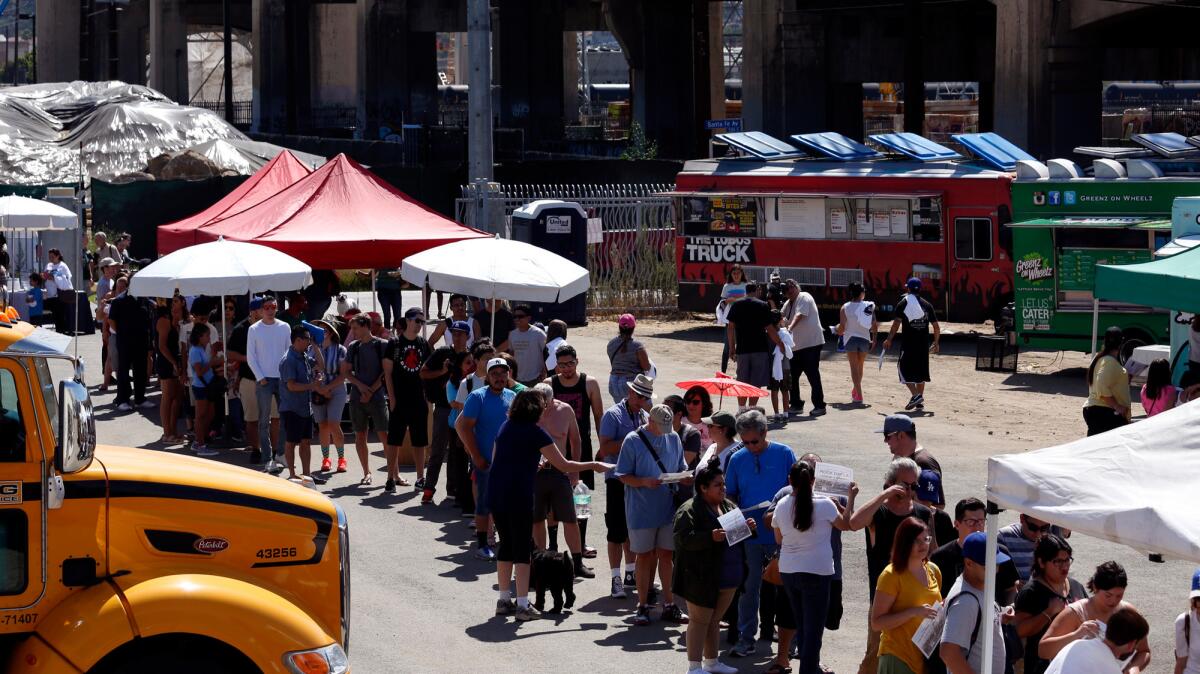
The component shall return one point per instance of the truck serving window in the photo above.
(12, 431)
(973, 238)
(14, 548)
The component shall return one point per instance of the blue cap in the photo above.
(414, 312)
(929, 487)
(974, 548)
(256, 303)
(460, 326)
(318, 334)
(897, 422)
(1195, 584)
(914, 283)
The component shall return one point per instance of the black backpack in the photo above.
(934, 664)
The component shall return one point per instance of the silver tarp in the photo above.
(118, 126)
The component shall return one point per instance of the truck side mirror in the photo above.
(76, 430)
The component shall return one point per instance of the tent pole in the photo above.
(1095, 325)
(224, 350)
(374, 301)
(495, 344)
(989, 586)
(425, 308)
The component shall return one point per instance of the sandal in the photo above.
(401, 482)
(366, 480)
(777, 668)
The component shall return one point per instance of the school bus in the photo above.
(115, 559)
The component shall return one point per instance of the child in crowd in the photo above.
(781, 370)
(35, 299)
(1158, 394)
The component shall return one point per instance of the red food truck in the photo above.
(852, 215)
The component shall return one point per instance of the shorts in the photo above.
(513, 531)
(296, 428)
(782, 384)
(481, 492)
(375, 412)
(203, 393)
(249, 398)
(642, 541)
(858, 345)
(552, 494)
(618, 386)
(199, 393)
(614, 511)
(754, 368)
(412, 419)
(913, 367)
(332, 410)
(163, 368)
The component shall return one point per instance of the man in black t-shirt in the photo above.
(751, 335)
(916, 316)
(409, 412)
(236, 353)
(434, 375)
(131, 316)
(881, 516)
(900, 436)
(969, 518)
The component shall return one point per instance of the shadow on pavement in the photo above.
(503, 629)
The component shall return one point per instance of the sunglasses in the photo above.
(911, 486)
(693, 401)
(1041, 530)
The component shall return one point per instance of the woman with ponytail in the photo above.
(803, 523)
(1108, 404)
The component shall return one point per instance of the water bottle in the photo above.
(583, 501)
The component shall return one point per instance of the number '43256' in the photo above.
(275, 553)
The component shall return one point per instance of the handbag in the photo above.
(677, 498)
(770, 572)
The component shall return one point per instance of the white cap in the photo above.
(497, 362)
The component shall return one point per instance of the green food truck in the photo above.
(1062, 228)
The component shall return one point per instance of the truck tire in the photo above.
(178, 654)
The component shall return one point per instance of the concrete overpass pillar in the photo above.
(1022, 96)
(57, 40)
(270, 66)
(531, 70)
(397, 69)
(168, 49)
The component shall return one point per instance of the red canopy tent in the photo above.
(277, 174)
(341, 217)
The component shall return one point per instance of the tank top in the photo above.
(858, 319)
(577, 397)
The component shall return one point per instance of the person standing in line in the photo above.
(623, 418)
(204, 369)
(408, 411)
(627, 357)
(481, 354)
(969, 517)
(960, 648)
(751, 337)
(552, 494)
(104, 249)
(1105, 654)
(168, 366)
(1187, 650)
(646, 455)
(900, 435)
(803, 320)
(1021, 538)
(1085, 618)
(246, 383)
(722, 428)
(733, 291)
(446, 329)
(1108, 404)
(363, 368)
(519, 446)
(905, 595)
(131, 318)
(35, 300)
(458, 480)
(527, 342)
(267, 341)
(699, 405)
(774, 292)
(296, 382)
(916, 315)
(1047, 594)
(481, 326)
(108, 271)
(688, 435)
(333, 397)
(556, 336)
(781, 370)
(857, 328)
(60, 292)
(434, 375)
(387, 288)
(582, 393)
(483, 414)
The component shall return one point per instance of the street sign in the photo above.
(730, 125)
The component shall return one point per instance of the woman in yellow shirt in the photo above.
(905, 596)
(1108, 405)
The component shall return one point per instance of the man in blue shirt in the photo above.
(646, 455)
(618, 422)
(755, 473)
(484, 411)
(295, 402)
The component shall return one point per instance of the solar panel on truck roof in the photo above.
(760, 145)
(917, 147)
(1165, 144)
(835, 146)
(993, 149)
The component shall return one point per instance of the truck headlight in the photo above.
(328, 660)
(344, 569)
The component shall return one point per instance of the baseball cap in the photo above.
(626, 321)
(107, 262)
(897, 422)
(974, 548)
(460, 326)
(414, 312)
(721, 418)
(497, 362)
(929, 487)
(256, 303)
(1195, 584)
(775, 276)
(914, 283)
(662, 416)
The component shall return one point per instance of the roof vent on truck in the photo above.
(1032, 169)
(835, 146)
(760, 145)
(993, 149)
(1108, 169)
(1064, 169)
(1169, 145)
(917, 147)
(1142, 169)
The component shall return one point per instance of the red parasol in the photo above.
(723, 385)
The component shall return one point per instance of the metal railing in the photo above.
(242, 110)
(633, 267)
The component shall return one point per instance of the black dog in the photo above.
(552, 571)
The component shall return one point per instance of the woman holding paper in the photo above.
(906, 594)
(804, 525)
(707, 570)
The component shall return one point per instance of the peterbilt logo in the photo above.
(210, 545)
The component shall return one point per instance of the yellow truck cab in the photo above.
(115, 559)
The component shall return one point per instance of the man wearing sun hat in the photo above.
(618, 422)
(916, 315)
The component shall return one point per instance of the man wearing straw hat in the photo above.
(617, 423)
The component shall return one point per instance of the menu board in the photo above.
(796, 218)
(1077, 266)
(733, 216)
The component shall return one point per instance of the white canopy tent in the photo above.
(498, 269)
(23, 218)
(1134, 485)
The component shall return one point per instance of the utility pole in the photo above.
(479, 103)
(228, 75)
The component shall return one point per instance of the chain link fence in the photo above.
(633, 268)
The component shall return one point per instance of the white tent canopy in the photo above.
(35, 214)
(221, 268)
(1134, 485)
(496, 268)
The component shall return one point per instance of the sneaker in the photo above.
(798, 408)
(505, 607)
(912, 402)
(817, 412)
(146, 405)
(125, 407)
(427, 497)
(654, 590)
(274, 467)
(630, 580)
(743, 650)
(582, 571)
(485, 554)
(618, 589)
(642, 617)
(390, 486)
(341, 465)
(255, 457)
(526, 614)
(718, 667)
(589, 552)
(325, 465)
(420, 484)
(203, 450)
(856, 396)
(673, 614)
(919, 401)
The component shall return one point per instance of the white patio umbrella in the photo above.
(496, 268)
(35, 214)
